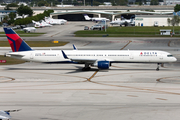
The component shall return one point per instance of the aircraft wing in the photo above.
(4, 115)
(79, 60)
(84, 60)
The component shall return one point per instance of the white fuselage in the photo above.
(55, 21)
(99, 19)
(139, 56)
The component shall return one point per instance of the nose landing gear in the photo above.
(158, 65)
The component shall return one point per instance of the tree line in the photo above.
(24, 10)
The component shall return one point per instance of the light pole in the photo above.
(105, 25)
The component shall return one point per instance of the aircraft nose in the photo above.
(174, 59)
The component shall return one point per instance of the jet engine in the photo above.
(102, 64)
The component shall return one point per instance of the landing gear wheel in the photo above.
(86, 69)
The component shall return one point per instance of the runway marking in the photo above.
(132, 95)
(150, 90)
(55, 34)
(169, 43)
(89, 79)
(126, 45)
(87, 43)
(137, 88)
(171, 78)
(98, 93)
(161, 99)
(3, 77)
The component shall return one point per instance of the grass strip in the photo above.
(36, 43)
(23, 34)
(128, 32)
(122, 35)
(10, 61)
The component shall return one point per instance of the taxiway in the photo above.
(64, 92)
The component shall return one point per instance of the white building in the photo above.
(4, 13)
(149, 20)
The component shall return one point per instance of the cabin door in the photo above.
(131, 56)
(161, 57)
(31, 56)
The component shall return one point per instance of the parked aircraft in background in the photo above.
(42, 23)
(95, 19)
(6, 114)
(20, 17)
(29, 29)
(38, 24)
(55, 21)
(126, 22)
(102, 59)
(45, 24)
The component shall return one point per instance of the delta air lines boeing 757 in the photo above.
(102, 59)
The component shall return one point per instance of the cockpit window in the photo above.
(169, 55)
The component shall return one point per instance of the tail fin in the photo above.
(87, 17)
(33, 21)
(16, 43)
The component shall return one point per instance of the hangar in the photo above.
(142, 18)
(78, 15)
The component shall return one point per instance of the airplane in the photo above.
(45, 24)
(38, 24)
(95, 19)
(55, 21)
(123, 22)
(29, 29)
(42, 23)
(102, 59)
(6, 114)
(20, 17)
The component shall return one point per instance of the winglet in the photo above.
(64, 55)
(74, 47)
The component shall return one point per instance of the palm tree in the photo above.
(174, 21)
(169, 21)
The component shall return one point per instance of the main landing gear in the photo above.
(86, 68)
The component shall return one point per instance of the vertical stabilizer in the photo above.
(16, 43)
(87, 17)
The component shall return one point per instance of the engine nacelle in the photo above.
(103, 64)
